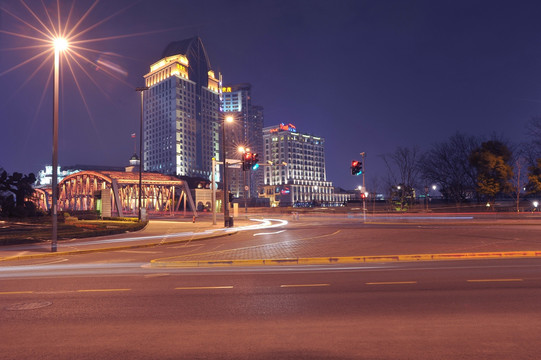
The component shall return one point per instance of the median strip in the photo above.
(170, 262)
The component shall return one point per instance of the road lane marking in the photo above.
(15, 292)
(303, 285)
(493, 280)
(391, 283)
(101, 290)
(203, 287)
(155, 275)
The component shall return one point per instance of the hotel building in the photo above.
(294, 171)
(182, 112)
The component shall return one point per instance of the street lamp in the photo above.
(227, 220)
(141, 89)
(60, 44)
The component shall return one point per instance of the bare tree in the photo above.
(519, 179)
(447, 165)
(534, 132)
(403, 172)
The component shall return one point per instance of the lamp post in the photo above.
(227, 220)
(60, 44)
(141, 89)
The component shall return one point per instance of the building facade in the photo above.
(245, 132)
(294, 171)
(181, 112)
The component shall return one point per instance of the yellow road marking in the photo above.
(101, 290)
(15, 292)
(203, 287)
(303, 285)
(391, 283)
(495, 280)
(155, 275)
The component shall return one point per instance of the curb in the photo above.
(125, 247)
(348, 259)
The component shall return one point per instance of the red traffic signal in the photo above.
(356, 167)
(247, 161)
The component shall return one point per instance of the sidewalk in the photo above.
(157, 232)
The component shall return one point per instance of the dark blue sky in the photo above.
(366, 75)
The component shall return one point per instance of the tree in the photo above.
(447, 165)
(494, 172)
(519, 179)
(15, 189)
(403, 169)
(534, 178)
(534, 131)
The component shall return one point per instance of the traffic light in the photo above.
(247, 161)
(356, 167)
(231, 197)
(255, 161)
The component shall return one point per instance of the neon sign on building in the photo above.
(289, 127)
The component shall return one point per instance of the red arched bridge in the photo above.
(117, 192)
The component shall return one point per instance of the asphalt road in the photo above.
(115, 305)
(435, 310)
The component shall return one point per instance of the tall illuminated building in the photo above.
(182, 112)
(246, 132)
(295, 172)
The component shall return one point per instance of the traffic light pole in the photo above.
(227, 221)
(245, 193)
(364, 189)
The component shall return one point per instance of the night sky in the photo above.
(366, 75)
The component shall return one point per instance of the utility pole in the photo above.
(141, 89)
(364, 188)
(213, 185)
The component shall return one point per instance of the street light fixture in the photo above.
(227, 219)
(59, 44)
(141, 89)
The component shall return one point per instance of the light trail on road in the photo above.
(264, 224)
